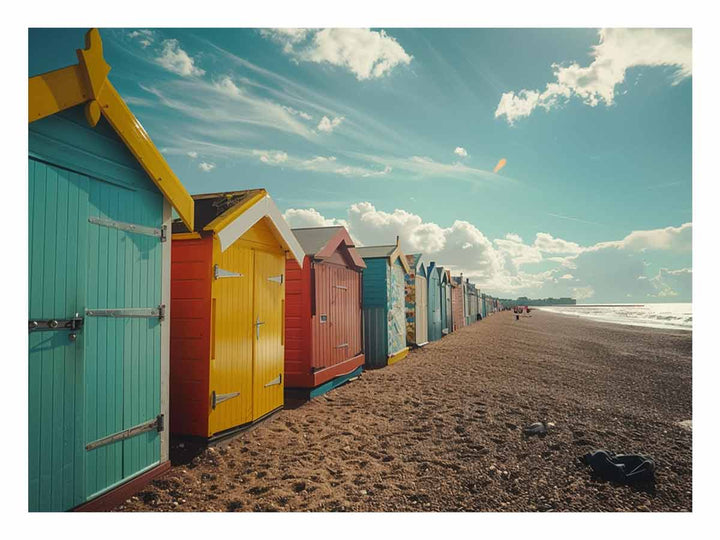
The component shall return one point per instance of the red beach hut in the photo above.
(323, 316)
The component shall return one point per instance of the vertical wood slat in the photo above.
(57, 205)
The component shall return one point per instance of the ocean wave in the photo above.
(673, 316)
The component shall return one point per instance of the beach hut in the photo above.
(473, 303)
(100, 207)
(323, 313)
(384, 323)
(416, 301)
(446, 301)
(458, 302)
(227, 326)
(434, 306)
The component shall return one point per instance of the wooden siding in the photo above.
(78, 172)
(435, 313)
(298, 321)
(190, 292)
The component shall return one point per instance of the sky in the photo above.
(537, 162)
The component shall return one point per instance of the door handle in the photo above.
(258, 324)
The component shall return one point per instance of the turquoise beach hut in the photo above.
(435, 311)
(101, 198)
(384, 322)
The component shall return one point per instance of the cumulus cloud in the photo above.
(227, 86)
(192, 154)
(204, 166)
(618, 50)
(670, 238)
(271, 157)
(175, 59)
(598, 273)
(309, 217)
(368, 54)
(460, 151)
(327, 125)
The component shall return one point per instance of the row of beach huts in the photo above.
(143, 324)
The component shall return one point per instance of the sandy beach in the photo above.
(442, 430)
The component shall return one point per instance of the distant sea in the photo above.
(676, 316)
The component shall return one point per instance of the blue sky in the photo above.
(397, 131)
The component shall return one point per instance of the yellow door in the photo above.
(231, 364)
(268, 325)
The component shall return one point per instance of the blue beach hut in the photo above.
(384, 323)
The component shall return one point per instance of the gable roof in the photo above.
(231, 214)
(321, 242)
(87, 82)
(391, 252)
(416, 263)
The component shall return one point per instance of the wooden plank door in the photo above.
(123, 318)
(231, 350)
(58, 209)
(268, 323)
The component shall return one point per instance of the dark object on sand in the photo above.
(621, 468)
(538, 428)
(517, 317)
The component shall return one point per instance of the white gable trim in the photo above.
(265, 207)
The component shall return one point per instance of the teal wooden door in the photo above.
(122, 351)
(58, 206)
(86, 393)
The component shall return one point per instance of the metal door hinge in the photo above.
(343, 287)
(276, 279)
(220, 273)
(160, 233)
(342, 346)
(276, 380)
(219, 398)
(138, 313)
(157, 424)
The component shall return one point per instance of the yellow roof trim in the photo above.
(87, 81)
(226, 218)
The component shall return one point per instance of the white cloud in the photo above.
(144, 37)
(322, 164)
(295, 112)
(670, 239)
(326, 125)
(175, 59)
(192, 154)
(227, 86)
(673, 283)
(271, 157)
(309, 217)
(618, 50)
(605, 274)
(460, 151)
(366, 53)
(204, 166)
(547, 244)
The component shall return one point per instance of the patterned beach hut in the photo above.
(446, 301)
(416, 301)
(384, 323)
(323, 313)
(458, 302)
(100, 207)
(228, 294)
(434, 306)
